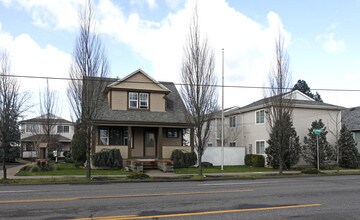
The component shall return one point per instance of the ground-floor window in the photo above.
(113, 135)
(232, 144)
(260, 147)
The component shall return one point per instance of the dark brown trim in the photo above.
(139, 90)
(110, 99)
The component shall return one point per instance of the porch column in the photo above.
(192, 139)
(160, 143)
(130, 141)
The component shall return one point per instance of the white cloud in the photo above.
(29, 59)
(330, 44)
(248, 45)
(50, 14)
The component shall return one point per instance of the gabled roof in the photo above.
(173, 116)
(42, 118)
(351, 118)
(133, 74)
(299, 100)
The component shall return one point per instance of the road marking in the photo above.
(122, 196)
(18, 191)
(228, 184)
(203, 213)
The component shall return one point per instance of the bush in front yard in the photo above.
(254, 160)
(183, 159)
(108, 158)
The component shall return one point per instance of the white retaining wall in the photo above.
(232, 155)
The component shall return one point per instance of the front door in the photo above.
(150, 143)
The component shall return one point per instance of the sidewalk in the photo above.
(152, 173)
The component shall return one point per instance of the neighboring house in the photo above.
(33, 140)
(253, 129)
(143, 118)
(351, 119)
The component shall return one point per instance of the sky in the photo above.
(321, 39)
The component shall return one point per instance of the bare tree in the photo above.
(48, 118)
(278, 101)
(89, 66)
(336, 121)
(12, 105)
(199, 85)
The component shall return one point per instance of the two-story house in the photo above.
(143, 118)
(34, 139)
(252, 128)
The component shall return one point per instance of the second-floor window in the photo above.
(138, 100)
(260, 117)
(232, 122)
(63, 129)
(32, 128)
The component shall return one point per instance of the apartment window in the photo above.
(32, 128)
(260, 147)
(113, 136)
(138, 100)
(260, 117)
(172, 133)
(209, 144)
(232, 122)
(232, 144)
(63, 129)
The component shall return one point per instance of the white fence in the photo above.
(232, 155)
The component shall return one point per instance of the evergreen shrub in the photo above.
(254, 160)
(183, 159)
(108, 158)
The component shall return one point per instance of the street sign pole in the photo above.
(317, 132)
(318, 155)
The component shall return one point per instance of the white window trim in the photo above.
(147, 100)
(209, 144)
(133, 100)
(232, 142)
(257, 149)
(260, 123)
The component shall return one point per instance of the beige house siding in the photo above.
(167, 150)
(157, 102)
(123, 149)
(172, 141)
(119, 100)
(138, 81)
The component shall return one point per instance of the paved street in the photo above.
(279, 198)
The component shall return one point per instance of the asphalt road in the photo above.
(330, 197)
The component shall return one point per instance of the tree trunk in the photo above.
(4, 164)
(200, 171)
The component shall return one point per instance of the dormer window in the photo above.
(138, 100)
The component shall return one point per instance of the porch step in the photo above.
(150, 165)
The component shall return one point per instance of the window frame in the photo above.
(258, 147)
(209, 144)
(105, 139)
(133, 100)
(172, 133)
(138, 100)
(263, 117)
(232, 121)
(232, 144)
(63, 130)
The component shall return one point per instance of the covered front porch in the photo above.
(144, 142)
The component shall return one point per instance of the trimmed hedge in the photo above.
(108, 158)
(183, 159)
(254, 160)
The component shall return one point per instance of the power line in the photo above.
(178, 84)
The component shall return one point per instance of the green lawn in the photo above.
(70, 169)
(227, 169)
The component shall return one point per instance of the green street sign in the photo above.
(317, 131)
